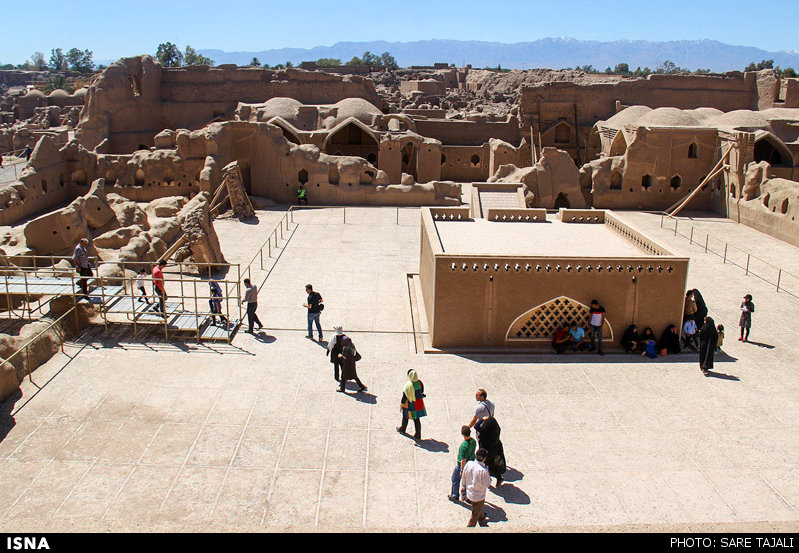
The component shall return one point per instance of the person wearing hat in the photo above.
(747, 308)
(334, 350)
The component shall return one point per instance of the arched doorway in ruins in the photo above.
(352, 139)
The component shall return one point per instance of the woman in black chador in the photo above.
(488, 431)
(631, 339)
(670, 340)
(701, 308)
(708, 339)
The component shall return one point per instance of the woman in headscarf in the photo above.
(670, 340)
(334, 349)
(412, 404)
(349, 355)
(630, 339)
(708, 339)
(701, 308)
(488, 432)
(649, 344)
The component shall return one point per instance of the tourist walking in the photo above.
(596, 318)
(475, 482)
(484, 408)
(315, 305)
(488, 432)
(745, 322)
(80, 258)
(689, 308)
(26, 153)
(465, 454)
(251, 299)
(701, 308)
(348, 356)
(141, 281)
(215, 303)
(159, 286)
(334, 349)
(412, 405)
(708, 340)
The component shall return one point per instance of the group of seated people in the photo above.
(571, 335)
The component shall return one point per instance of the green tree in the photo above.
(355, 61)
(58, 60)
(80, 60)
(789, 73)
(169, 55)
(388, 61)
(191, 57)
(328, 62)
(255, 62)
(622, 69)
(289, 64)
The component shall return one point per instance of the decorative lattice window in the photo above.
(540, 323)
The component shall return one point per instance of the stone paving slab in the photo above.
(252, 436)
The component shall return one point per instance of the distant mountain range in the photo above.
(553, 53)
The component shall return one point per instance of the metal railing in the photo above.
(15, 162)
(782, 279)
(27, 364)
(33, 268)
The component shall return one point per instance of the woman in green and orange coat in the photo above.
(412, 404)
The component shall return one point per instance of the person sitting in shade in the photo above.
(689, 335)
(578, 338)
(561, 339)
(670, 340)
(630, 339)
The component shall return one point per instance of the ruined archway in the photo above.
(773, 152)
(352, 138)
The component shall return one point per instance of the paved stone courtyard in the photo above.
(135, 435)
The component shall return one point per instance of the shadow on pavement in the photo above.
(512, 494)
(7, 421)
(433, 446)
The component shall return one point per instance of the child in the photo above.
(747, 308)
(720, 330)
(465, 454)
(141, 278)
(215, 302)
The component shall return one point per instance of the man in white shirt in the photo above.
(475, 481)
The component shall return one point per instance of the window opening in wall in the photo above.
(443, 159)
(138, 178)
(562, 134)
(302, 176)
(615, 180)
(142, 147)
(676, 182)
(766, 199)
(80, 178)
(61, 180)
(372, 158)
(44, 187)
(135, 84)
(692, 151)
(169, 177)
(646, 182)
(784, 206)
(475, 160)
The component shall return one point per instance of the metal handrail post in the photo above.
(196, 312)
(748, 256)
(345, 215)
(691, 238)
(27, 298)
(707, 238)
(133, 304)
(227, 310)
(725, 252)
(779, 276)
(675, 226)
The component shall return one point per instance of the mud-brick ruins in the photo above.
(454, 220)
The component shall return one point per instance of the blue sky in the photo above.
(112, 29)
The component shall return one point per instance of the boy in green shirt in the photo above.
(465, 454)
